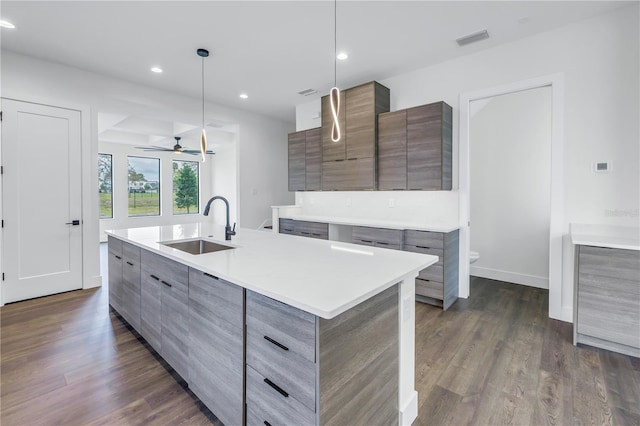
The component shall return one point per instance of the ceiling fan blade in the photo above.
(196, 152)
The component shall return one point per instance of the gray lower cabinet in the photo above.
(216, 345)
(304, 228)
(165, 309)
(437, 284)
(377, 237)
(356, 352)
(115, 273)
(607, 299)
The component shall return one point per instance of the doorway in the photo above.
(42, 200)
(558, 225)
(510, 156)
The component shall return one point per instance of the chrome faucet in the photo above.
(228, 232)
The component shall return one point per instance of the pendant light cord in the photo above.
(335, 43)
(203, 92)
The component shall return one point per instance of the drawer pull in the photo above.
(129, 263)
(266, 423)
(276, 388)
(154, 277)
(382, 242)
(278, 344)
(352, 158)
(118, 257)
(211, 276)
(366, 241)
(166, 283)
(423, 247)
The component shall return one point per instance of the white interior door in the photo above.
(42, 247)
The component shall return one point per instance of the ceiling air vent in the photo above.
(307, 92)
(472, 38)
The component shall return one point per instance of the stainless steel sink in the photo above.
(197, 246)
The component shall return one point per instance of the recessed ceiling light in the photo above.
(157, 70)
(244, 96)
(342, 56)
(7, 24)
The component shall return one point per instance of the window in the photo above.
(144, 186)
(186, 181)
(105, 189)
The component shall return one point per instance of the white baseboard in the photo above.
(510, 277)
(95, 281)
(409, 411)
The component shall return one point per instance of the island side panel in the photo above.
(408, 397)
(359, 363)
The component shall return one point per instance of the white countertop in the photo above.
(620, 237)
(377, 223)
(325, 278)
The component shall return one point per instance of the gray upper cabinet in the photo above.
(297, 152)
(414, 148)
(216, 345)
(392, 150)
(349, 165)
(305, 160)
(429, 133)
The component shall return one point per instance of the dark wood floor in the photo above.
(493, 359)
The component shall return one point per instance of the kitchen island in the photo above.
(277, 328)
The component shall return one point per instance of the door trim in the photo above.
(559, 226)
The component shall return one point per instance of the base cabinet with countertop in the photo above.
(607, 298)
(257, 361)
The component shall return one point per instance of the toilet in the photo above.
(473, 256)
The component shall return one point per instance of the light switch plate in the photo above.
(601, 166)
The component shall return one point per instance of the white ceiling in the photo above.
(270, 50)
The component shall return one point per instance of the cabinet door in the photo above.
(349, 175)
(332, 151)
(313, 159)
(130, 302)
(392, 150)
(361, 121)
(151, 308)
(297, 161)
(115, 273)
(424, 147)
(216, 351)
(175, 320)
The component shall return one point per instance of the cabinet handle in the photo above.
(366, 241)
(166, 283)
(276, 388)
(423, 247)
(339, 160)
(117, 257)
(211, 276)
(154, 277)
(353, 158)
(382, 242)
(305, 233)
(129, 263)
(266, 423)
(278, 344)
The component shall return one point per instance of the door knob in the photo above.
(74, 222)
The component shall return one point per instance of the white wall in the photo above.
(510, 153)
(600, 60)
(262, 141)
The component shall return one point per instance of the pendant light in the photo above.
(203, 53)
(334, 94)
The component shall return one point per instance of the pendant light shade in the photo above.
(203, 53)
(334, 94)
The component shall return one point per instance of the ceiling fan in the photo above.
(177, 148)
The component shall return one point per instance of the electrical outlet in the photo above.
(392, 203)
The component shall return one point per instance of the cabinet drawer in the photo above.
(289, 326)
(433, 289)
(423, 239)
(274, 360)
(434, 272)
(312, 229)
(423, 250)
(378, 235)
(266, 405)
(173, 273)
(287, 226)
(612, 263)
